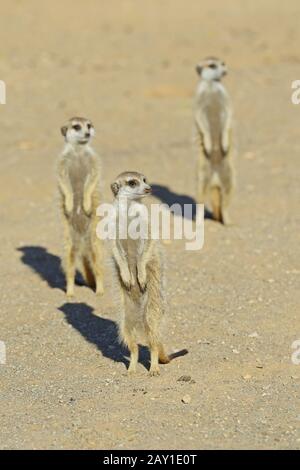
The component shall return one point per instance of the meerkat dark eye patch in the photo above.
(76, 127)
(132, 183)
(212, 66)
(89, 126)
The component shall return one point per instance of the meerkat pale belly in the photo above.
(131, 250)
(214, 117)
(78, 174)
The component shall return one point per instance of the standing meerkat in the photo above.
(140, 273)
(78, 174)
(213, 117)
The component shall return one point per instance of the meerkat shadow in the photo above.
(46, 265)
(102, 332)
(169, 197)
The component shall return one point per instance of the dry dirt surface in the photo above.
(129, 66)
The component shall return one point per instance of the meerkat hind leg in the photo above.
(154, 313)
(202, 190)
(155, 348)
(227, 188)
(88, 273)
(154, 353)
(216, 203)
(134, 351)
(134, 355)
(97, 257)
(69, 260)
(70, 269)
(224, 209)
(162, 355)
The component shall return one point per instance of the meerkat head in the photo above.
(131, 185)
(78, 131)
(211, 69)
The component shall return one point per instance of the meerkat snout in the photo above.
(78, 131)
(131, 185)
(211, 68)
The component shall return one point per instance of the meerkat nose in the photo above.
(87, 134)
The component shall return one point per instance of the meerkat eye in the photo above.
(212, 66)
(144, 180)
(89, 126)
(132, 183)
(77, 127)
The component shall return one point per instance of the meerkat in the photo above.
(139, 270)
(78, 175)
(213, 117)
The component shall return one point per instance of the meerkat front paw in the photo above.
(127, 278)
(69, 204)
(225, 143)
(87, 206)
(207, 144)
(142, 279)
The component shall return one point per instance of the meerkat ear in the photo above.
(64, 130)
(115, 188)
(198, 69)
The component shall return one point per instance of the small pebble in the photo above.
(200, 341)
(184, 378)
(186, 399)
(247, 377)
(253, 335)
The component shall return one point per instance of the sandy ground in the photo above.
(129, 66)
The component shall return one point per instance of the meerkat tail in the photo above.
(165, 358)
(181, 352)
(216, 203)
